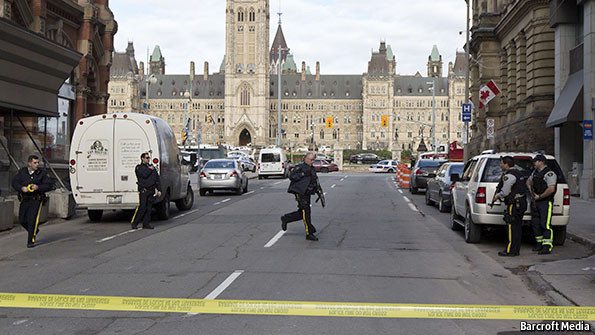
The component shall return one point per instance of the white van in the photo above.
(104, 152)
(272, 162)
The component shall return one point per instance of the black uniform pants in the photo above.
(29, 212)
(542, 223)
(143, 211)
(303, 213)
(514, 224)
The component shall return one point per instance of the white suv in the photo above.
(475, 189)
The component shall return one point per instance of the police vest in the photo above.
(539, 184)
(519, 188)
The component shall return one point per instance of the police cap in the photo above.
(539, 158)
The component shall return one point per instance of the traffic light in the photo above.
(329, 122)
(384, 120)
(184, 135)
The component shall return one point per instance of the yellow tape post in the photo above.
(296, 308)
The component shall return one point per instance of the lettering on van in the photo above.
(130, 151)
(97, 157)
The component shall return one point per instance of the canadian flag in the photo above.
(488, 92)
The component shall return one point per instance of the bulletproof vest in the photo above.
(539, 184)
(519, 188)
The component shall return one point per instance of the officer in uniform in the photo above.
(149, 188)
(303, 184)
(542, 184)
(512, 190)
(31, 183)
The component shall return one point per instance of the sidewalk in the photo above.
(582, 222)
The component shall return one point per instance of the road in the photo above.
(376, 245)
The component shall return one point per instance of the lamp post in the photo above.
(148, 80)
(467, 72)
(433, 83)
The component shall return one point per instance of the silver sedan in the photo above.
(222, 174)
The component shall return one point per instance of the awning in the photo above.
(32, 69)
(569, 105)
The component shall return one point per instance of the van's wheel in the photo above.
(259, 177)
(163, 208)
(472, 231)
(202, 192)
(245, 190)
(187, 202)
(95, 214)
(559, 235)
(453, 220)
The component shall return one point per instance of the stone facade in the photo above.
(513, 45)
(124, 82)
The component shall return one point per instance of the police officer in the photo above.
(31, 183)
(542, 184)
(512, 190)
(303, 184)
(149, 188)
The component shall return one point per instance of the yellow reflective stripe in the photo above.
(548, 225)
(305, 221)
(297, 308)
(509, 231)
(134, 216)
(37, 221)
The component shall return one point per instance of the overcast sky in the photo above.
(339, 33)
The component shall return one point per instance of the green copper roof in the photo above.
(435, 56)
(389, 53)
(156, 56)
(289, 64)
(308, 70)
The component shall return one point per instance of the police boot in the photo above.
(507, 254)
(537, 247)
(283, 223)
(311, 237)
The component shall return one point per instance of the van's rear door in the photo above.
(95, 157)
(271, 162)
(131, 140)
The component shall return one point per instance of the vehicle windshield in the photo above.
(457, 169)
(220, 165)
(270, 158)
(430, 163)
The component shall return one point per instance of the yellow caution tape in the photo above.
(296, 308)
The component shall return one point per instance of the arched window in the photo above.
(322, 134)
(251, 15)
(335, 134)
(245, 95)
(240, 15)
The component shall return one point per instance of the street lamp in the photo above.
(433, 83)
(148, 80)
(467, 73)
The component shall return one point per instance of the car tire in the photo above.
(245, 190)
(441, 206)
(413, 190)
(259, 177)
(428, 200)
(559, 235)
(454, 225)
(472, 231)
(390, 171)
(186, 202)
(163, 207)
(95, 214)
(202, 192)
(324, 170)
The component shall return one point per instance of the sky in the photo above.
(339, 33)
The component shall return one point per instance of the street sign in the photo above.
(466, 116)
(588, 130)
(490, 123)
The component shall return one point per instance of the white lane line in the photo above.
(412, 206)
(117, 235)
(274, 239)
(333, 185)
(262, 188)
(213, 295)
(401, 191)
(324, 193)
(406, 199)
(225, 200)
(279, 182)
(249, 193)
(184, 214)
(345, 177)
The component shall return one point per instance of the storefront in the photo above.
(36, 100)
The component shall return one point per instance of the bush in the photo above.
(382, 154)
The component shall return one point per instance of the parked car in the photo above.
(421, 172)
(389, 166)
(324, 166)
(272, 162)
(222, 174)
(247, 163)
(323, 157)
(364, 158)
(325, 149)
(440, 187)
(475, 189)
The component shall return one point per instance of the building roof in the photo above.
(411, 86)
(328, 87)
(460, 66)
(156, 56)
(279, 41)
(435, 55)
(289, 64)
(389, 53)
(122, 65)
(173, 86)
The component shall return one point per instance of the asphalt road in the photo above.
(376, 245)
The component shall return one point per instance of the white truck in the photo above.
(104, 152)
(272, 161)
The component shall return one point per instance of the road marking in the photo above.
(342, 179)
(274, 239)
(401, 191)
(279, 182)
(225, 200)
(406, 199)
(333, 185)
(184, 214)
(117, 235)
(295, 308)
(217, 203)
(324, 193)
(249, 193)
(262, 188)
(413, 208)
(213, 295)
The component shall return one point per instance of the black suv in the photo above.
(423, 170)
(364, 158)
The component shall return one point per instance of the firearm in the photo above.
(320, 194)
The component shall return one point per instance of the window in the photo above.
(245, 96)
(241, 15)
(322, 134)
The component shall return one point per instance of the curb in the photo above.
(581, 240)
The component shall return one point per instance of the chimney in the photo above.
(192, 72)
(303, 71)
(317, 70)
(206, 71)
(141, 69)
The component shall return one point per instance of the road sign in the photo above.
(466, 116)
(588, 130)
(490, 123)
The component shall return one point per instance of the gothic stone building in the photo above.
(238, 104)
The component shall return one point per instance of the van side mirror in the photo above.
(455, 177)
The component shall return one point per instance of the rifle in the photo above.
(320, 194)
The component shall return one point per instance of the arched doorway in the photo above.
(245, 137)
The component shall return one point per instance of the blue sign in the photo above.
(588, 130)
(466, 116)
